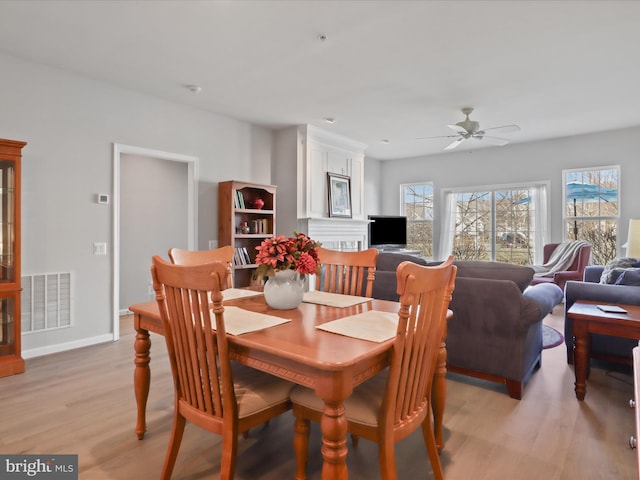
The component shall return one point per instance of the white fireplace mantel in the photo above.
(330, 231)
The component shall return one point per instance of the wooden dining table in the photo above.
(297, 351)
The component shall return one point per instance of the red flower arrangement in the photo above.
(281, 253)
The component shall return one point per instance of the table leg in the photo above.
(334, 441)
(439, 394)
(581, 357)
(141, 376)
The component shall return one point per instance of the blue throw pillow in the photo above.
(630, 276)
(615, 267)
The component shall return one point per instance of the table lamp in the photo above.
(633, 241)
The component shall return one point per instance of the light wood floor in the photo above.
(81, 402)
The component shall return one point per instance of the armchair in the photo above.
(602, 346)
(574, 272)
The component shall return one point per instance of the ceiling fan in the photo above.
(470, 129)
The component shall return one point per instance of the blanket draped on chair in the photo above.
(561, 259)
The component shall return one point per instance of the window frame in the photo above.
(566, 218)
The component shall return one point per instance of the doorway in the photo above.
(151, 188)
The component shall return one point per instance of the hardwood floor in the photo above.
(82, 402)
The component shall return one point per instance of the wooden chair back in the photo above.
(196, 342)
(394, 403)
(348, 273)
(210, 392)
(193, 257)
(425, 293)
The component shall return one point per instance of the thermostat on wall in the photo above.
(103, 198)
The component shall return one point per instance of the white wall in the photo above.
(70, 123)
(522, 163)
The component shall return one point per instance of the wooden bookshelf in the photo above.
(243, 225)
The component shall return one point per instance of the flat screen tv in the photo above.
(387, 232)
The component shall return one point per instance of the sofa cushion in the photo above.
(518, 274)
(388, 262)
(629, 276)
(385, 283)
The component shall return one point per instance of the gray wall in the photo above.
(514, 163)
(70, 124)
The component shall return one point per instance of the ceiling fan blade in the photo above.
(459, 129)
(494, 140)
(504, 129)
(455, 143)
(440, 136)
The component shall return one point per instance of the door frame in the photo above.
(192, 211)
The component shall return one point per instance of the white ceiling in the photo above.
(394, 70)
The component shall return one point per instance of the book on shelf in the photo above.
(239, 199)
(241, 256)
(246, 256)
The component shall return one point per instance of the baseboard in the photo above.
(63, 347)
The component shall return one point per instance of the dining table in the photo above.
(299, 350)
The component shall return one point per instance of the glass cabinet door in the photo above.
(7, 221)
(7, 331)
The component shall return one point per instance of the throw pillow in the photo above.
(630, 276)
(612, 270)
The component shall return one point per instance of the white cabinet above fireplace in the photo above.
(303, 156)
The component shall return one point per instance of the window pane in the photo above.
(473, 226)
(592, 193)
(514, 227)
(592, 210)
(418, 208)
(601, 234)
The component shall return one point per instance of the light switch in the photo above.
(99, 248)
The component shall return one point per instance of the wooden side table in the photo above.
(587, 319)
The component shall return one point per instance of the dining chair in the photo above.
(349, 273)
(193, 257)
(207, 391)
(395, 402)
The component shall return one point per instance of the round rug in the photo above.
(551, 337)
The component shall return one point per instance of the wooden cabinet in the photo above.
(11, 361)
(246, 216)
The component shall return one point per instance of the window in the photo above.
(502, 223)
(591, 209)
(417, 206)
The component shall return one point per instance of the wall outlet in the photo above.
(213, 244)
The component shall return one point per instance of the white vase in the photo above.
(284, 290)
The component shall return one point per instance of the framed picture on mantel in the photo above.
(339, 195)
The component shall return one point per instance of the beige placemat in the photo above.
(234, 293)
(238, 320)
(333, 299)
(373, 325)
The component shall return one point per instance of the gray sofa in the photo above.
(496, 330)
(602, 346)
